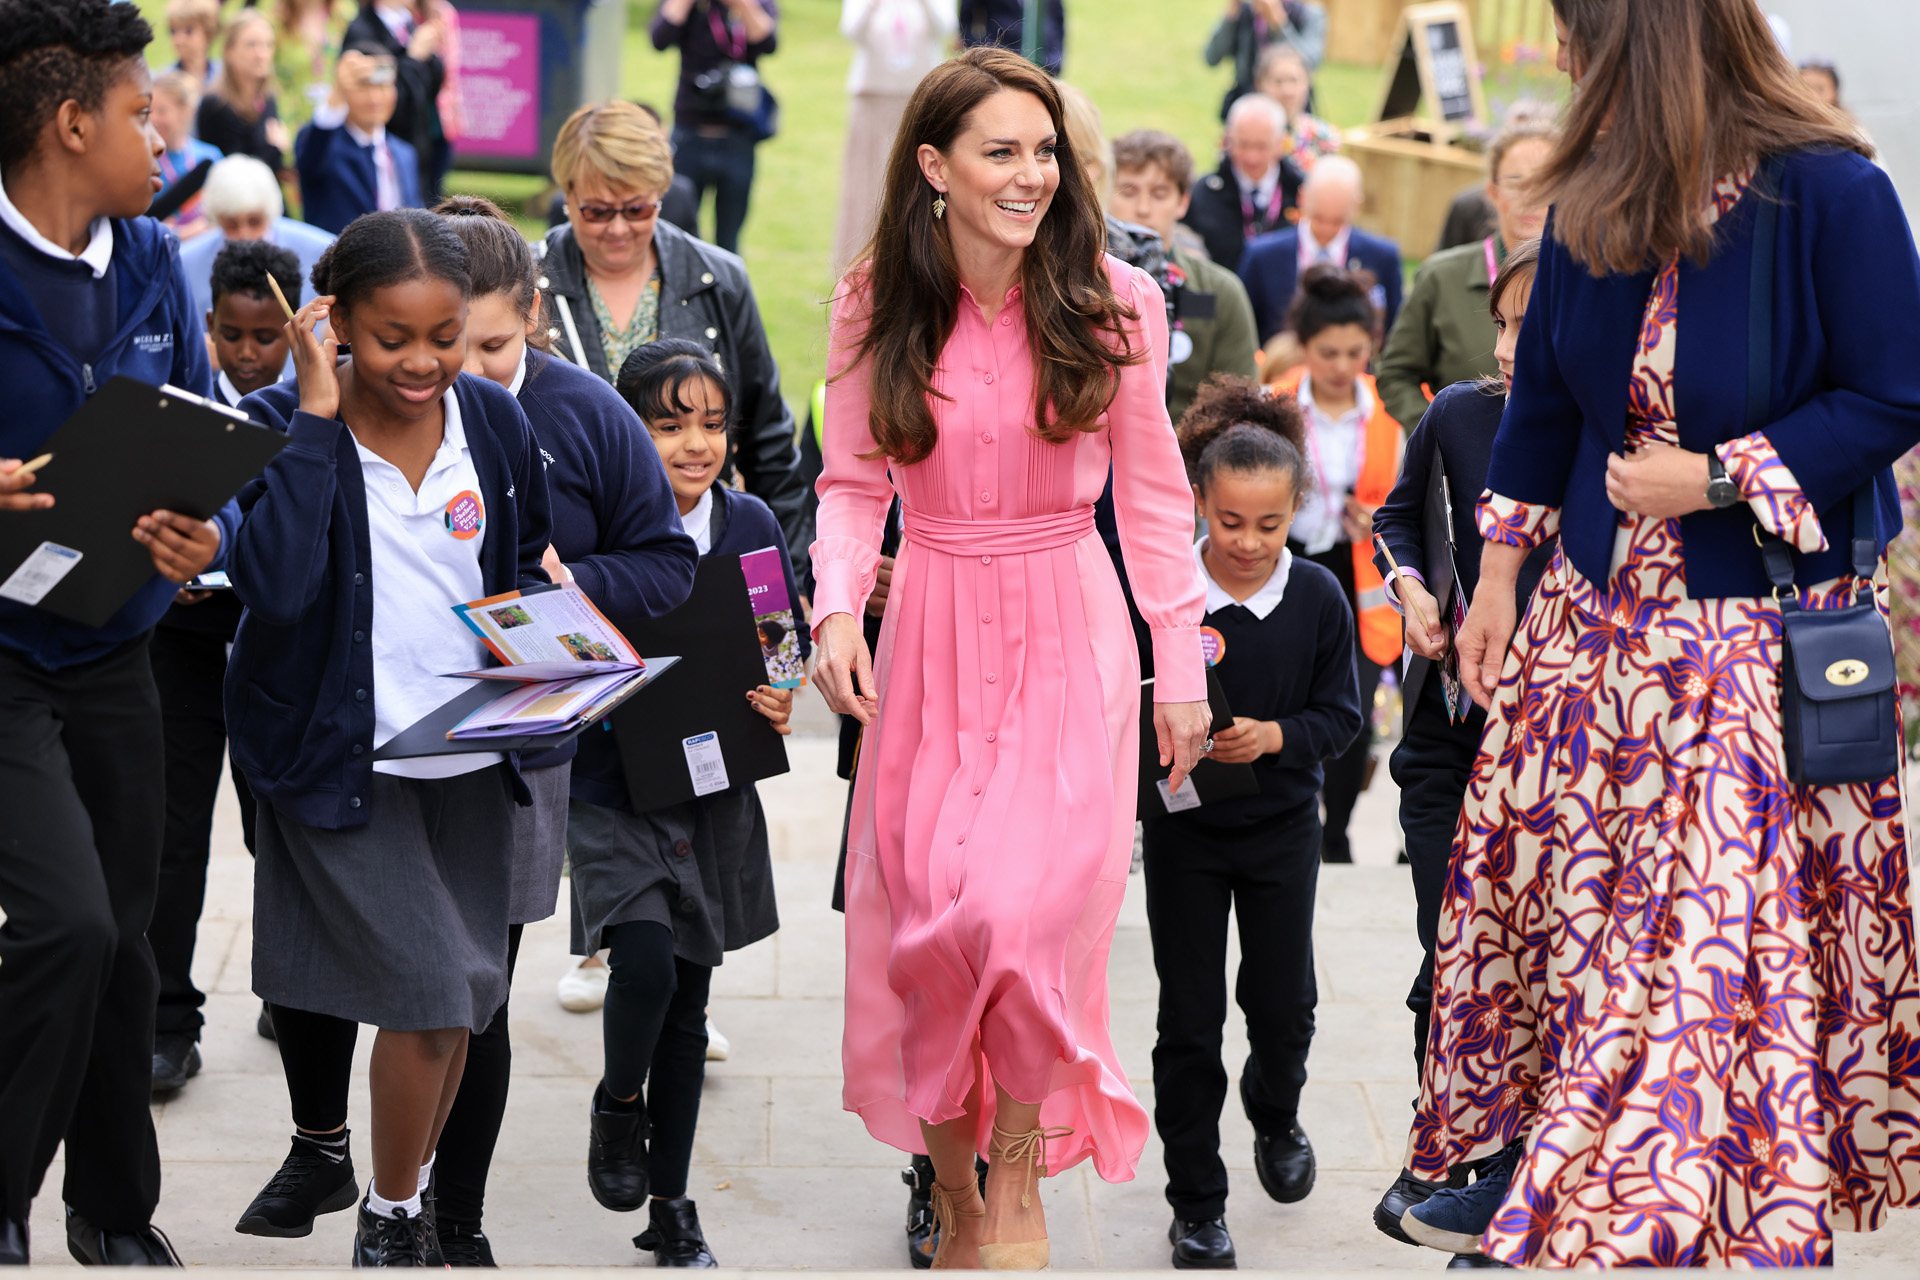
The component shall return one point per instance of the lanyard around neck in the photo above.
(732, 42)
(1493, 261)
(1250, 216)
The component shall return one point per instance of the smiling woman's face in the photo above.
(1000, 174)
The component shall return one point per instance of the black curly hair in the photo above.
(53, 51)
(1234, 425)
(387, 248)
(243, 266)
(653, 376)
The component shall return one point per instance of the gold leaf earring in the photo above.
(939, 206)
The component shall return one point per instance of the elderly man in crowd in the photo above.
(1272, 265)
(242, 199)
(1256, 188)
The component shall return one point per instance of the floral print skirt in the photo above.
(1688, 983)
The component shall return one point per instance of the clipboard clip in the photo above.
(168, 389)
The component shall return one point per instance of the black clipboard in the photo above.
(720, 660)
(427, 736)
(1213, 780)
(129, 450)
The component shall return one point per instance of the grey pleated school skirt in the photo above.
(703, 869)
(401, 923)
(540, 844)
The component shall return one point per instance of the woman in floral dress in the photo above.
(1675, 993)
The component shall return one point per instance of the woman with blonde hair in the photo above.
(240, 113)
(1674, 992)
(987, 363)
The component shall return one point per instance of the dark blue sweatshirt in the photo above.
(615, 524)
(156, 336)
(299, 691)
(1295, 666)
(1458, 428)
(741, 523)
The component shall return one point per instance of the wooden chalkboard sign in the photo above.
(1433, 71)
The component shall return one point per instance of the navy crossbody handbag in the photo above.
(1838, 706)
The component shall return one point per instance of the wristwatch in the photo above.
(1721, 490)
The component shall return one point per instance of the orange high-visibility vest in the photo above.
(1379, 625)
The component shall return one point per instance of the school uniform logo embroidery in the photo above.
(148, 343)
(466, 516)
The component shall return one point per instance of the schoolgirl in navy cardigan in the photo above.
(381, 894)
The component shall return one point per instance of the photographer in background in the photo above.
(1250, 27)
(721, 111)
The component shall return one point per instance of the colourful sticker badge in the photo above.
(466, 516)
(1213, 646)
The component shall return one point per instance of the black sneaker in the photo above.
(1406, 1192)
(176, 1060)
(465, 1245)
(673, 1234)
(399, 1241)
(312, 1180)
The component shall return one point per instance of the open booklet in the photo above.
(567, 664)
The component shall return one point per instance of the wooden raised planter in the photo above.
(1412, 172)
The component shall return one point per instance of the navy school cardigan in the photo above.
(741, 523)
(299, 688)
(615, 524)
(1845, 397)
(159, 338)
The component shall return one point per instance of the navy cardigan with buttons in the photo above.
(1845, 397)
(299, 690)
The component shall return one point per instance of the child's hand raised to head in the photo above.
(775, 704)
(314, 359)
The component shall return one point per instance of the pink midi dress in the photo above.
(992, 821)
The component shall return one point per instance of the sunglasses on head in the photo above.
(636, 211)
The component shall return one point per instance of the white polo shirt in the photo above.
(425, 551)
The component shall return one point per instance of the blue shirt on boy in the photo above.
(67, 325)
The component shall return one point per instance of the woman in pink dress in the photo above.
(992, 823)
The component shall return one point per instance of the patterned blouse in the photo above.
(1308, 138)
(642, 326)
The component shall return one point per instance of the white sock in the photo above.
(383, 1208)
(426, 1173)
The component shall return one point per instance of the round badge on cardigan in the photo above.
(466, 516)
(1213, 646)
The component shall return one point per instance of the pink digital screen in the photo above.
(500, 84)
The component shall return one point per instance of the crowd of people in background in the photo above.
(606, 394)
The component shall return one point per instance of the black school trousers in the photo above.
(1267, 872)
(82, 803)
(189, 669)
(1431, 767)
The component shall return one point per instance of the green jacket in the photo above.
(1443, 334)
(1223, 344)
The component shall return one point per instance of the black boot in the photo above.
(1284, 1161)
(617, 1154)
(922, 1240)
(673, 1234)
(93, 1247)
(1202, 1246)
(399, 1241)
(315, 1178)
(13, 1243)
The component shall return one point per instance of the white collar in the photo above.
(1337, 246)
(1263, 185)
(228, 392)
(1260, 603)
(378, 138)
(1362, 410)
(98, 254)
(453, 437)
(519, 375)
(698, 523)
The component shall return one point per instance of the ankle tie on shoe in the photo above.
(1030, 1146)
(947, 1212)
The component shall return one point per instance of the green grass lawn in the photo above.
(1139, 60)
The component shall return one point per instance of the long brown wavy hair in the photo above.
(1674, 94)
(908, 285)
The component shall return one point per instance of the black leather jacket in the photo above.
(705, 297)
